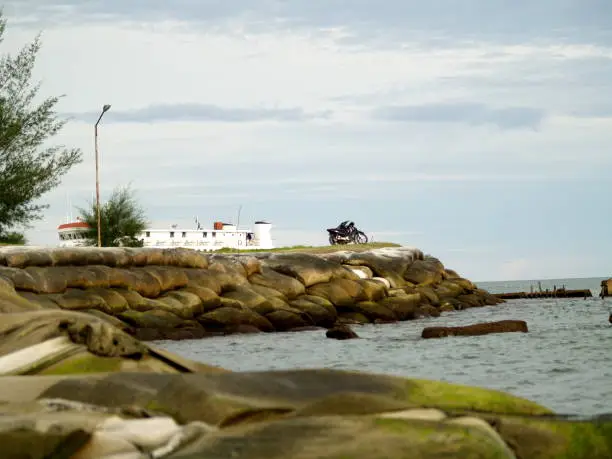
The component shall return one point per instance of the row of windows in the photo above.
(71, 236)
(184, 234)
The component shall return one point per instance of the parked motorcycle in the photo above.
(345, 233)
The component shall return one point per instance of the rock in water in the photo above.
(502, 326)
(341, 332)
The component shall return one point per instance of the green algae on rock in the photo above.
(75, 386)
(300, 413)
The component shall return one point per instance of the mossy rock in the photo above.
(320, 315)
(77, 299)
(351, 317)
(247, 296)
(108, 318)
(324, 302)
(289, 286)
(20, 279)
(404, 307)
(270, 305)
(115, 302)
(471, 300)
(155, 318)
(428, 294)
(186, 305)
(268, 292)
(372, 290)
(333, 292)
(227, 264)
(226, 318)
(42, 301)
(205, 278)
(285, 320)
(208, 298)
(374, 311)
(448, 289)
(168, 277)
(135, 300)
(533, 437)
(425, 272)
(230, 303)
(371, 437)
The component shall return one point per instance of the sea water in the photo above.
(564, 362)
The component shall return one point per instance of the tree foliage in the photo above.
(12, 238)
(122, 219)
(29, 167)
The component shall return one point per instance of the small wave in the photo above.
(562, 370)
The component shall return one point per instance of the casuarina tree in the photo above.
(30, 165)
(122, 219)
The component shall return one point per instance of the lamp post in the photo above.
(104, 110)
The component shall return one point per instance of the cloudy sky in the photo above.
(477, 130)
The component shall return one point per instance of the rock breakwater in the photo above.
(74, 384)
(179, 293)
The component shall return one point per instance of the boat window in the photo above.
(148, 233)
(204, 234)
(214, 234)
(171, 233)
(184, 234)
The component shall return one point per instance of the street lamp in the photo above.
(104, 110)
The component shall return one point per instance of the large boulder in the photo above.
(228, 319)
(335, 292)
(308, 269)
(290, 319)
(285, 284)
(404, 307)
(389, 263)
(425, 272)
(318, 314)
(374, 311)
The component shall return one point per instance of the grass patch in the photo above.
(316, 249)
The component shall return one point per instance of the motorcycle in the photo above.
(345, 233)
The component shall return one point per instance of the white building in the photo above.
(221, 235)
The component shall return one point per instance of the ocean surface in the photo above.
(564, 362)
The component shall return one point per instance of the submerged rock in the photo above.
(341, 332)
(502, 326)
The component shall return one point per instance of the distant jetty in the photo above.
(559, 293)
(546, 293)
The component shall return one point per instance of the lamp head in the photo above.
(106, 108)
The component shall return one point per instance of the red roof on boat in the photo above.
(73, 225)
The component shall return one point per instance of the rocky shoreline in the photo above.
(180, 294)
(74, 384)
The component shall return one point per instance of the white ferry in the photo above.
(72, 233)
(221, 235)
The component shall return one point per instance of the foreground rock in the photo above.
(502, 326)
(75, 386)
(179, 293)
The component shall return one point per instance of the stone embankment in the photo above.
(156, 294)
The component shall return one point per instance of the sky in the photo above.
(479, 131)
